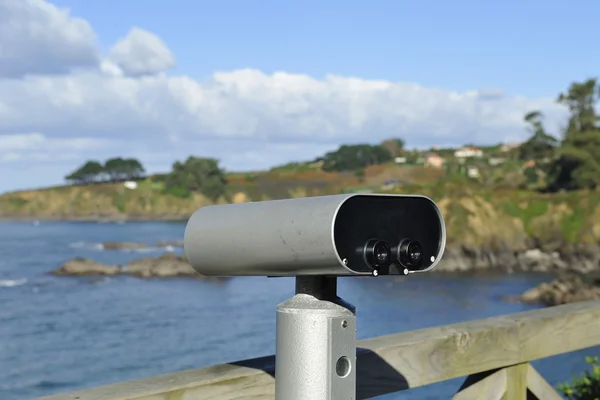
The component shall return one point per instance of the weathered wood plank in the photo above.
(492, 387)
(441, 353)
(558, 330)
(431, 355)
(390, 363)
(245, 380)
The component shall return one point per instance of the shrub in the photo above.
(178, 192)
(585, 387)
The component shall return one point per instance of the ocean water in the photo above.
(61, 333)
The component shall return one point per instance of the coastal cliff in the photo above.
(482, 224)
(488, 229)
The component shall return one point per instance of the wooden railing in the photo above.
(493, 354)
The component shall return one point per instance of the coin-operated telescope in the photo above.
(316, 240)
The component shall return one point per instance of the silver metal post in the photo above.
(316, 343)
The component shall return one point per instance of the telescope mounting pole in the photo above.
(316, 343)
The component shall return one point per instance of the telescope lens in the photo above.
(415, 252)
(382, 253)
(377, 253)
(410, 253)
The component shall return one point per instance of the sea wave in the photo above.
(100, 246)
(85, 245)
(149, 249)
(12, 282)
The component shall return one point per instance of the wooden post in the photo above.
(483, 386)
(539, 387)
(516, 382)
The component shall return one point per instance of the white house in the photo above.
(130, 185)
(473, 172)
(509, 146)
(400, 160)
(467, 152)
(434, 160)
(494, 161)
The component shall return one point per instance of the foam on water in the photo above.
(100, 246)
(12, 282)
(84, 245)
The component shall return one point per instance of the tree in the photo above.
(578, 162)
(395, 146)
(113, 168)
(133, 168)
(353, 157)
(201, 175)
(540, 146)
(123, 169)
(360, 175)
(91, 171)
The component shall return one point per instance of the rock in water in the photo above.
(84, 267)
(568, 288)
(169, 243)
(123, 246)
(167, 265)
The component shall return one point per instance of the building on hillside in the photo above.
(400, 160)
(130, 185)
(510, 146)
(494, 161)
(434, 160)
(467, 152)
(473, 172)
(529, 164)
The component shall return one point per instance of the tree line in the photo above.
(113, 170)
(195, 174)
(205, 176)
(573, 161)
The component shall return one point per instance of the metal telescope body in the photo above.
(310, 236)
(316, 240)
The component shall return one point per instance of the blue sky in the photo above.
(532, 48)
(258, 83)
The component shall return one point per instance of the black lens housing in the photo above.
(377, 253)
(410, 254)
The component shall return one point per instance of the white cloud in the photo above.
(126, 105)
(38, 141)
(251, 104)
(38, 37)
(31, 147)
(21, 141)
(10, 157)
(141, 53)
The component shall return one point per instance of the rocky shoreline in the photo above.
(467, 260)
(567, 288)
(577, 273)
(461, 259)
(168, 265)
